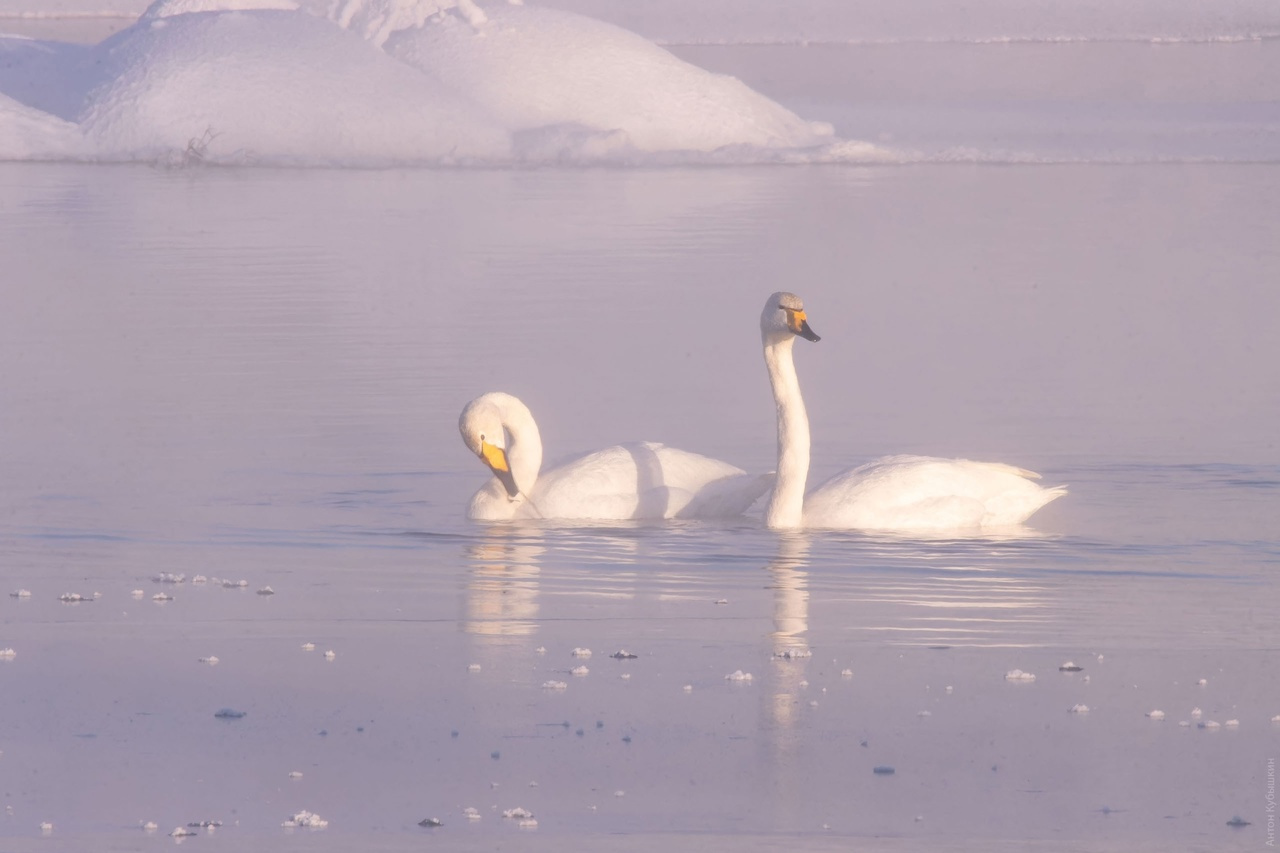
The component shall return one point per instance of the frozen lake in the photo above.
(256, 374)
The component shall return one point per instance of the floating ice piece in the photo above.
(739, 676)
(554, 685)
(150, 826)
(949, 688)
(20, 593)
(295, 774)
(792, 654)
(46, 827)
(883, 770)
(304, 818)
(925, 714)
(308, 647)
(623, 654)
(199, 579)
(240, 584)
(72, 597)
(1069, 666)
(162, 596)
(1184, 723)
(138, 593)
(535, 784)
(1202, 682)
(1276, 718)
(266, 590)
(688, 688)
(1232, 724)
(7, 654)
(475, 667)
(204, 824)
(472, 813)
(722, 601)
(542, 650)
(846, 673)
(212, 660)
(619, 793)
(229, 714)
(1237, 822)
(1196, 713)
(528, 823)
(579, 671)
(1079, 709)
(518, 813)
(1019, 675)
(169, 577)
(1209, 724)
(431, 821)
(626, 676)
(181, 832)
(330, 654)
(804, 685)
(1156, 714)
(96, 595)
(581, 653)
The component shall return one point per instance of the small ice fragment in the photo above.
(626, 676)
(1276, 718)
(883, 770)
(7, 654)
(1156, 714)
(229, 714)
(240, 584)
(472, 813)
(542, 650)
(307, 819)
(204, 824)
(71, 597)
(949, 688)
(169, 577)
(266, 590)
(46, 827)
(431, 821)
(138, 593)
(623, 654)
(1237, 822)
(295, 774)
(330, 654)
(212, 660)
(150, 826)
(1069, 666)
(1019, 675)
(518, 813)
(792, 654)
(688, 688)
(199, 579)
(579, 671)
(528, 823)
(20, 593)
(308, 647)
(846, 673)
(813, 703)
(1232, 724)
(619, 793)
(181, 832)
(1196, 713)
(533, 784)
(162, 596)
(1202, 682)
(475, 667)
(554, 685)
(804, 685)
(1184, 723)
(722, 601)
(96, 595)
(925, 714)
(739, 676)
(1079, 709)
(581, 653)
(1210, 724)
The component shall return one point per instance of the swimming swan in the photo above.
(641, 480)
(903, 493)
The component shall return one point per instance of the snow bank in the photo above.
(375, 82)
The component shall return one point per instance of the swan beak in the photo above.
(799, 325)
(496, 459)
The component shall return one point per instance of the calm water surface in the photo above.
(257, 374)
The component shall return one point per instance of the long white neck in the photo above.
(786, 505)
(524, 444)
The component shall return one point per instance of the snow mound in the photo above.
(564, 83)
(24, 130)
(275, 87)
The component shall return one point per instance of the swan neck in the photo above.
(786, 505)
(524, 446)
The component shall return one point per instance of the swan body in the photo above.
(896, 493)
(642, 480)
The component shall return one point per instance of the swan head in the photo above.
(784, 318)
(483, 433)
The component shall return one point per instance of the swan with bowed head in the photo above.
(896, 493)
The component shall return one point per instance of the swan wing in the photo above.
(927, 493)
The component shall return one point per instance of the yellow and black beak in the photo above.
(799, 325)
(496, 458)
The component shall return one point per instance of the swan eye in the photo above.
(482, 436)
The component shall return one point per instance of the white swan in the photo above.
(641, 480)
(903, 493)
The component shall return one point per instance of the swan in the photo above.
(626, 481)
(896, 493)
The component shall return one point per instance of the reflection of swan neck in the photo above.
(786, 505)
